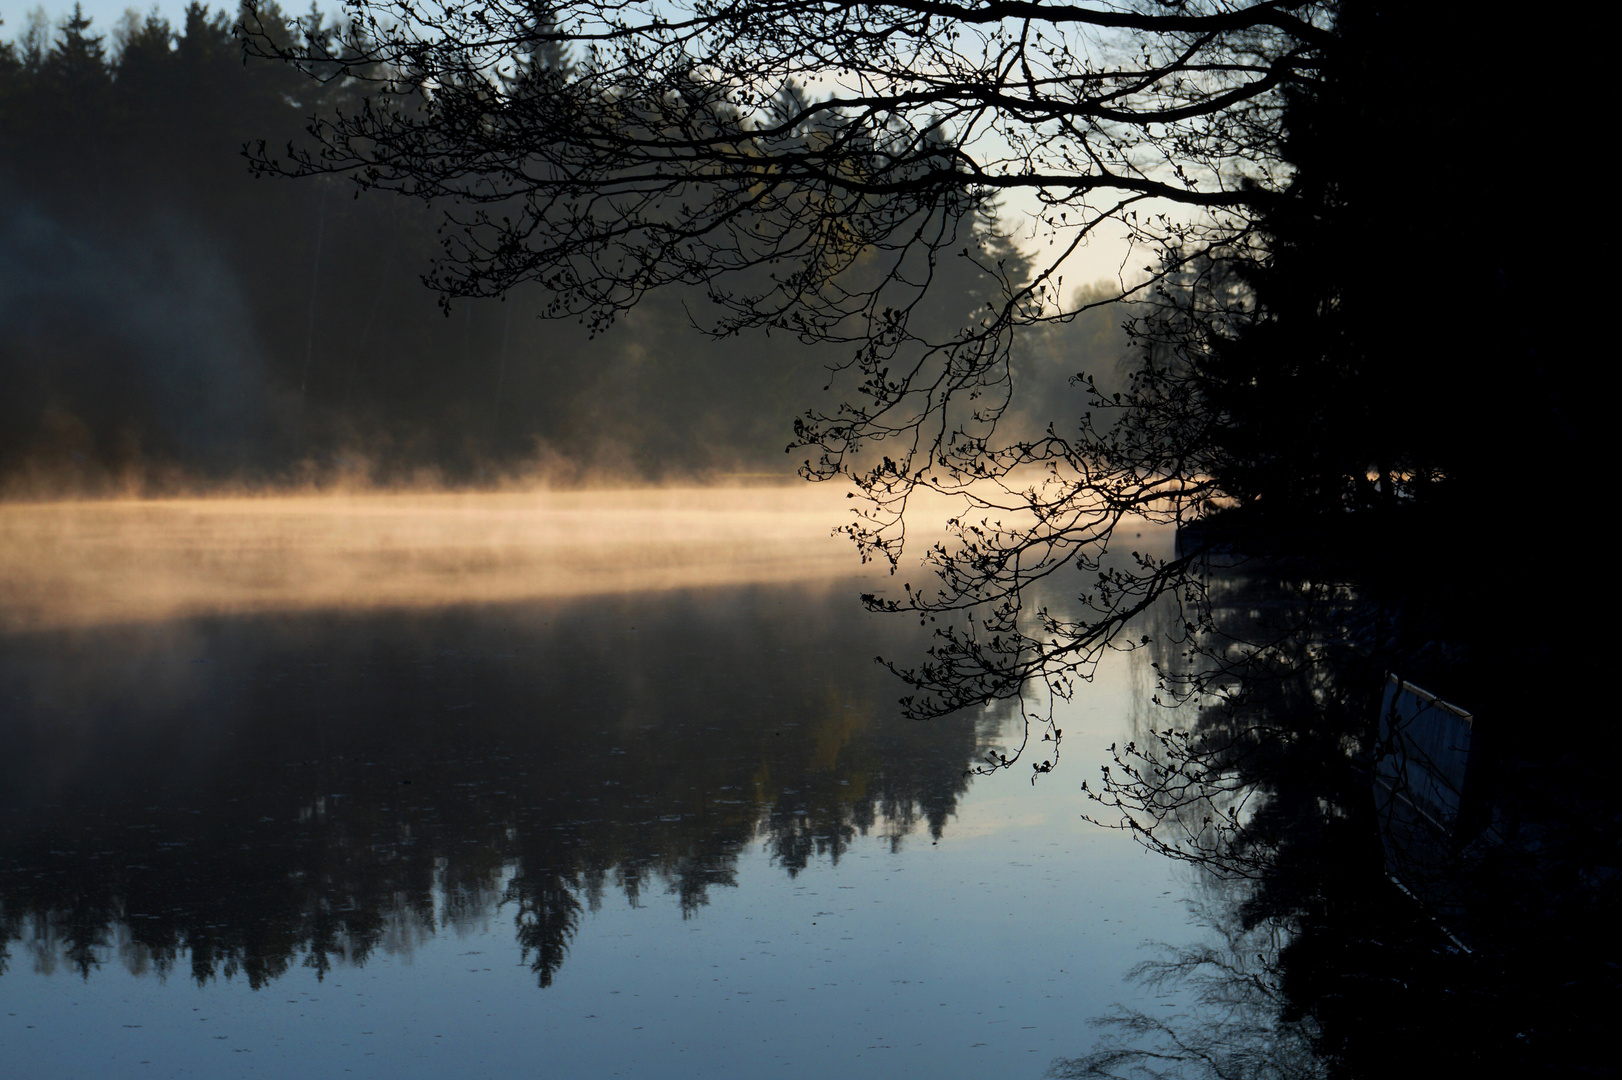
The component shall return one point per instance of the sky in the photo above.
(104, 14)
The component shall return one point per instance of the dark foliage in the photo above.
(168, 320)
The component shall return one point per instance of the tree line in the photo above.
(169, 320)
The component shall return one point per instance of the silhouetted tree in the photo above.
(811, 168)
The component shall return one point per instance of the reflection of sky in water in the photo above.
(728, 728)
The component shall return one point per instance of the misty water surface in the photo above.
(585, 785)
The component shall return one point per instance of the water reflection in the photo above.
(1253, 761)
(237, 795)
(1242, 1024)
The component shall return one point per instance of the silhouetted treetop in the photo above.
(810, 166)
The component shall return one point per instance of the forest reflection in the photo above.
(1333, 944)
(239, 794)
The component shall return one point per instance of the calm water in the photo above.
(651, 818)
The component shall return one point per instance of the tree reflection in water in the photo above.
(1244, 1026)
(242, 795)
(1252, 760)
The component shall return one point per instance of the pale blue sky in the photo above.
(105, 13)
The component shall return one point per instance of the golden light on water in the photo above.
(86, 563)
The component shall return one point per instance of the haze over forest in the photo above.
(169, 321)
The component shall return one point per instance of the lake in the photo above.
(586, 784)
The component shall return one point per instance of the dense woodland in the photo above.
(167, 319)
